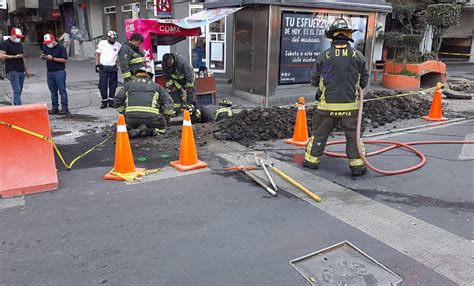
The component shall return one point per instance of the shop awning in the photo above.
(360, 5)
(202, 18)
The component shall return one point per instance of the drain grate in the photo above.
(344, 264)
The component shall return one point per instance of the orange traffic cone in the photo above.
(300, 135)
(188, 159)
(124, 167)
(436, 110)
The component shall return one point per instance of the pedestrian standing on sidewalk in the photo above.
(106, 57)
(56, 58)
(66, 41)
(15, 68)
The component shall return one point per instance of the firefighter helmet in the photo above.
(340, 26)
(112, 34)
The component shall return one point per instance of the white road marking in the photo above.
(12, 202)
(467, 152)
(166, 173)
(446, 253)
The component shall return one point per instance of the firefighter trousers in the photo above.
(323, 125)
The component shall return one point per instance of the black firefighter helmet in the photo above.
(338, 27)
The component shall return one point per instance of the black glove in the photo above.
(97, 68)
(318, 94)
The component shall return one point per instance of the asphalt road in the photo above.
(218, 228)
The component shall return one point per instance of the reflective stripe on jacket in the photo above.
(131, 59)
(181, 75)
(339, 72)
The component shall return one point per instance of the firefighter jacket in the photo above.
(181, 75)
(339, 72)
(144, 99)
(131, 59)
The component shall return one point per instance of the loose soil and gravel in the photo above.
(262, 124)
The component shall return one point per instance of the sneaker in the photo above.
(64, 112)
(103, 105)
(53, 111)
(111, 103)
(358, 170)
(311, 165)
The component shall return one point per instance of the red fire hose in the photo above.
(393, 145)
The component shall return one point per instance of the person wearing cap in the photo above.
(11, 51)
(130, 57)
(339, 73)
(106, 58)
(147, 107)
(55, 56)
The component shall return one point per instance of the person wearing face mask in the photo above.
(55, 56)
(11, 51)
(131, 58)
(106, 58)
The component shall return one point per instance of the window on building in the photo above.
(209, 49)
(131, 11)
(110, 18)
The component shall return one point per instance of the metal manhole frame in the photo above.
(342, 243)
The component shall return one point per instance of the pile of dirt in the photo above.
(263, 124)
(462, 86)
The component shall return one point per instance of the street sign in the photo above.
(163, 8)
(3, 4)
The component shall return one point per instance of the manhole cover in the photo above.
(343, 264)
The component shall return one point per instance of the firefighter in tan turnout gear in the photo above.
(338, 73)
(146, 105)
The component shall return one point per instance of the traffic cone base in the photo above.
(435, 119)
(295, 142)
(183, 168)
(300, 135)
(139, 172)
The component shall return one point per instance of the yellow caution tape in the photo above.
(456, 54)
(400, 95)
(51, 141)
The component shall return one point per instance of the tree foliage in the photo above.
(441, 17)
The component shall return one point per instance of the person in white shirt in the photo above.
(66, 40)
(106, 57)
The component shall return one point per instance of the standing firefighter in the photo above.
(147, 106)
(130, 57)
(339, 72)
(179, 76)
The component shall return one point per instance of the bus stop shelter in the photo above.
(276, 43)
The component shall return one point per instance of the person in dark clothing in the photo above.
(339, 72)
(130, 57)
(11, 51)
(179, 77)
(146, 105)
(56, 58)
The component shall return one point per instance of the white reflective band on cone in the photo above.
(301, 107)
(186, 123)
(121, 128)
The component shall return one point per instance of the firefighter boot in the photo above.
(357, 167)
(311, 165)
(104, 104)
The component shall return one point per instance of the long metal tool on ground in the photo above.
(260, 162)
(245, 170)
(265, 160)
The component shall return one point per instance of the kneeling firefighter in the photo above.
(339, 72)
(215, 113)
(147, 106)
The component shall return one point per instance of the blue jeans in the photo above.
(57, 82)
(16, 79)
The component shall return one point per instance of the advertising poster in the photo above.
(303, 39)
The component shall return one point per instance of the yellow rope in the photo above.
(51, 141)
